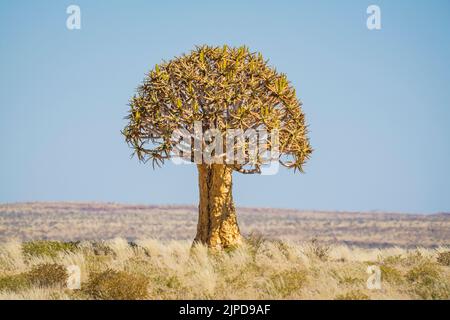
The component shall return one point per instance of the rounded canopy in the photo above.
(221, 88)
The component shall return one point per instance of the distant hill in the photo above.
(95, 221)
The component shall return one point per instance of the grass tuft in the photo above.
(47, 248)
(288, 282)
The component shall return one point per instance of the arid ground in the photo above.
(257, 269)
(102, 221)
(145, 252)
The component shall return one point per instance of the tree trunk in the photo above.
(217, 224)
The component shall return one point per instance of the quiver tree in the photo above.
(219, 89)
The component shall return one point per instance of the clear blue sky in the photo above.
(377, 102)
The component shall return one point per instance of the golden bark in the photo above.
(217, 223)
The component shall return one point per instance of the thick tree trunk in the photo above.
(217, 224)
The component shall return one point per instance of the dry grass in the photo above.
(116, 285)
(259, 269)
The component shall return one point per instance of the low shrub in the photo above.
(117, 285)
(47, 275)
(353, 295)
(14, 282)
(318, 250)
(47, 248)
(426, 281)
(444, 258)
(391, 274)
(424, 272)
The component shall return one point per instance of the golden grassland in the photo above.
(145, 252)
(258, 269)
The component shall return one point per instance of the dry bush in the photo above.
(423, 272)
(353, 295)
(319, 250)
(117, 285)
(444, 258)
(427, 282)
(391, 275)
(47, 275)
(14, 282)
